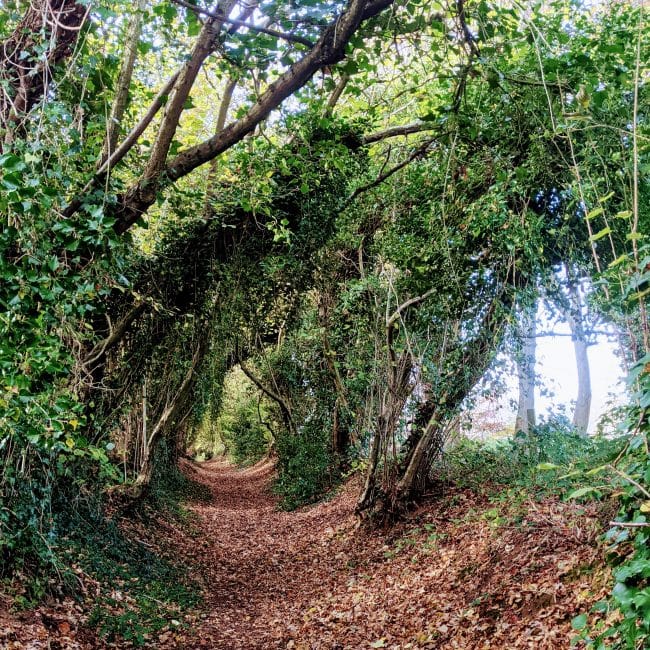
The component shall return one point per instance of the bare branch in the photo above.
(402, 129)
(336, 95)
(629, 479)
(203, 47)
(169, 415)
(123, 149)
(269, 392)
(116, 335)
(630, 524)
(404, 306)
(568, 334)
(468, 37)
(133, 32)
(417, 153)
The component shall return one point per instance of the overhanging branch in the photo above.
(329, 49)
(420, 152)
(269, 392)
(291, 38)
(400, 130)
(126, 146)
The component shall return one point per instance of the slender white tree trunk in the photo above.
(575, 319)
(526, 369)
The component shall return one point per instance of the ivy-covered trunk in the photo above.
(399, 472)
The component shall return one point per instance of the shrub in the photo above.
(249, 439)
(304, 465)
(525, 458)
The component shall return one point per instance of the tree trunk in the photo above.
(399, 388)
(169, 417)
(44, 37)
(340, 434)
(583, 401)
(473, 359)
(414, 477)
(123, 82)
(526, 369)
(574, 316)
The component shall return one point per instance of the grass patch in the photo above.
(551, 459)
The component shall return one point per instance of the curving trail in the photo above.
(464, 572)
(448, 578)
(262, 566)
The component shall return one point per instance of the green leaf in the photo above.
(639, 294)
(547, 466)
(583, 491)
(12, 163)
(579, 622)
(193, 24)
(600, 234)
(622, 593)
(596, 470)
(594, 213)
(619, 260)
(600, 606)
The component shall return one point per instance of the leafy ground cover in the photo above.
(121, 584)
(468, 569)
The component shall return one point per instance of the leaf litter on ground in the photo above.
(465, 570)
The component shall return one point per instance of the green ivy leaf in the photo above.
(579, 622)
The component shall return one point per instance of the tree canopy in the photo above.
(346, 203)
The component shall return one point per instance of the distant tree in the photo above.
(525, 360)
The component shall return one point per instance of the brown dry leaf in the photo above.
(312, 580)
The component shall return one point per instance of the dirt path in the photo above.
(449, 578)
(464, 572)
(262, 564)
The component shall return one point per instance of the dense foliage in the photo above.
(338, 207)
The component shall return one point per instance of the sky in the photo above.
(556, 368)
(557, 377)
